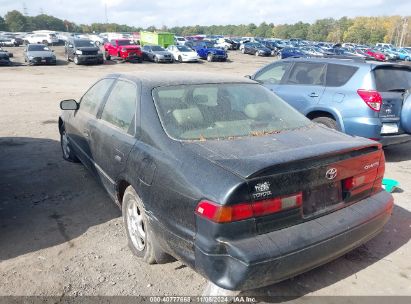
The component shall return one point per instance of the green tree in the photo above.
(16, 21)
(3, 25)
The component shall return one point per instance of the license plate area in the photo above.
(320, 199)
(389, 128)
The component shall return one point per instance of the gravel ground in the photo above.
(61, 235)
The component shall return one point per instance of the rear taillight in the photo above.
(372, 98)
(380, 174)
(224, 214)
(369, 180)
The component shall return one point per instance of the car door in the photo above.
(78, 123)
(304, 85)
(113, 133)
(273, 75)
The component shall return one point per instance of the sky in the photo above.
(221, 12)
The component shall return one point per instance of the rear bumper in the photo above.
(269, 258)
(395, 139)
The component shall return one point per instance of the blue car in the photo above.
(292, 52)
(371, 100)
(403, 54)
(207, 50)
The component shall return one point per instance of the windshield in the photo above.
(124, 42)
(83, 43)
(157, 48)
(218, 111)
(208, 44)
(183, 48)
(37, 47)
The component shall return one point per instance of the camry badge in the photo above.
(331, 173)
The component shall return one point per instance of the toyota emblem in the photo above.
(331, 173)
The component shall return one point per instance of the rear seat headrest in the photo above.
(188, 117)
(263, 110)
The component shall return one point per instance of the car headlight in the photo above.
(78, 52)
(31, 57)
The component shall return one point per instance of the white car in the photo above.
(97, 40)
(180, 40)
(183, 53)
(43, 38)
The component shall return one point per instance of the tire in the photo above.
(210, 57)
(68, 57)
(326, 121)
(156, 59)
(136, 224)
(180, 59)
(256, 54)
(45, 42)
(68, 153)
(76, 61)
(243, 50)
(107, 55)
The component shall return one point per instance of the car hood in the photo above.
(265, 49)
(40, 53)
(162, 52)
(217, 51)
(247, 156)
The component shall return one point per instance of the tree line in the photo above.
(366, 30)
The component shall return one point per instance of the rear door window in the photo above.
(120, 107)
(90, 102)
(338, 75)
(307, 73)
(274, 74)
(388, 79)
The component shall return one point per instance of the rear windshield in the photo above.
(389, 79)
(214, 111)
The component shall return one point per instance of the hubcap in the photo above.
(135, 225)
(66, 146)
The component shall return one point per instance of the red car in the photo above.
(376, 55)
(123, 48)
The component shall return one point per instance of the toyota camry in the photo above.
(220, 173)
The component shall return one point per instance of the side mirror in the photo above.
(248, 76)
(69, 104)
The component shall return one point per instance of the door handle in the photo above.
(313, 94)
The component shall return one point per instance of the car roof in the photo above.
(169, 78)
(341, 61)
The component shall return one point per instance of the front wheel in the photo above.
(68, 153)
(256, 53)
(156, 59)
(76, 60)
(210, 57)
(136, 223)
(180, 59)
(326, 121)
(243, 51)
(107, 55)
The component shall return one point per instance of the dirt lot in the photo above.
(61, 235)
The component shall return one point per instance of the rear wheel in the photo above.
(256, 53)
(326, 121)
(136, 223)
(180, 59)
(243, 51)
(68, 153)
